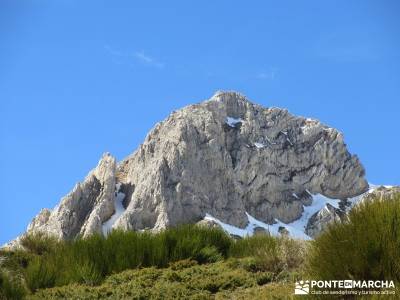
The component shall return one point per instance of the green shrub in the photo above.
(365, 247)
(250, 246)
(91, 259)
(292, 253)
(250, 264)
(88, 274)
(205, 281)
(39, 243)
(40, 273)
(88, 261)
(209, 254)
(15, 260)
(182, 264)
(267, 253)
(264, 278)
(11, 287)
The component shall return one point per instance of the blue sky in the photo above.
(79, 78)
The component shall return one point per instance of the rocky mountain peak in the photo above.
(225, 157)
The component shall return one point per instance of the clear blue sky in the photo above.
(78, 78)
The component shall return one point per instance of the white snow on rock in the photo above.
(233, 121)
(259, 145)
(358, 198)
(309, 126)
(253, 223)
(296, 228)
(119, 209)
(299, 226)
(230, 229)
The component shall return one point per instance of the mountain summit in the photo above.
(225, 157)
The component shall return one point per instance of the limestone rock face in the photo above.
(84, 209)
(260, 231)
(382, 193)
(283, 231)
(225, 156)
(209, 224)
(322, 219)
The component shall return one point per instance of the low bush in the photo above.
(11, 287)
(39, 243)
(41, 273)
(268, 253)
(209, 254)
(250, 245)
(182, 264)
(220, 280)
(15, 260)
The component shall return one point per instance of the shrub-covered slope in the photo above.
(201, 263)
(183, 280)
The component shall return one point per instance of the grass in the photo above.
(11, 286)
(268, 253)
(89, 261)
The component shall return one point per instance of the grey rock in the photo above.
(283, 231)
(322, 219)
(83, 210)
(40, 220)
(209, 224)
(260, 231)
(381, 193)
(235, 237)
(265, 162)
(195, 163)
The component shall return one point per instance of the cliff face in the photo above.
(85, 208)
(224, 157)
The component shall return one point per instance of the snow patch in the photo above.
(259, 145)
(230, 229)
(306, 129)
(372, 187)
(233, 121)
(319, 202)
(296, 228)
(309, 125)
(273, 229)
(119, 209)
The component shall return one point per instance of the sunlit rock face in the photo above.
(225, 156)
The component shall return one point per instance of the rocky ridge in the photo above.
(226, 157)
